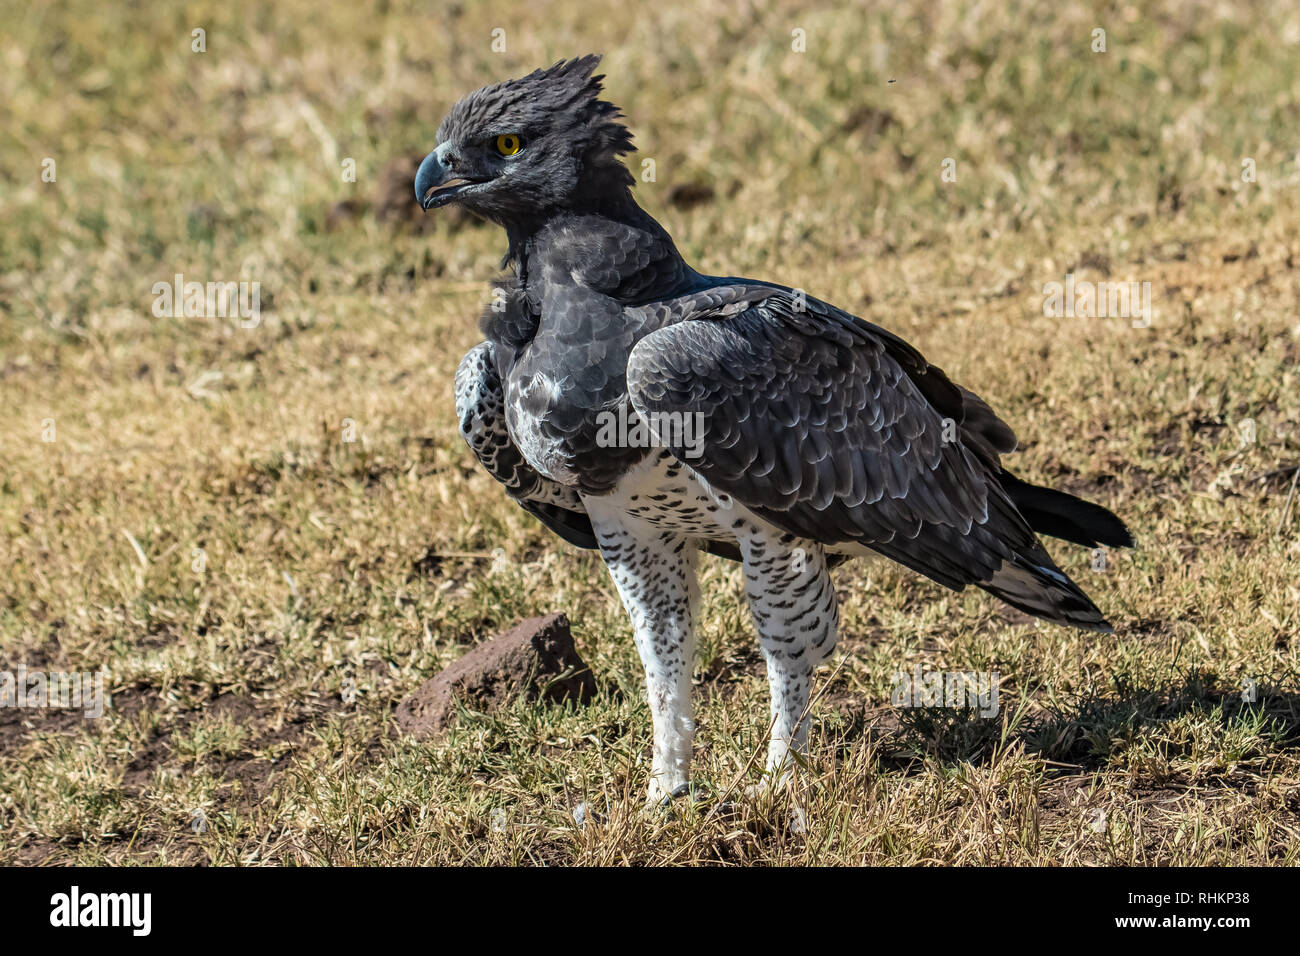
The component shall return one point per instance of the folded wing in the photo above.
(838, 431)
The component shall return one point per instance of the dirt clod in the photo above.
(535, 658)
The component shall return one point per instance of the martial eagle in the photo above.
(820, 436)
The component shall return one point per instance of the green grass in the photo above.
(327, 562)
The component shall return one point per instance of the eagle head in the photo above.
(519, 151)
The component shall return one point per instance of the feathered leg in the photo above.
(654, 572)
(796, 614)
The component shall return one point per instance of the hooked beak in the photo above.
(434, 184)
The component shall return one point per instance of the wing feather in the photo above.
(834, 430)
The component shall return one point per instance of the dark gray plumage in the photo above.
(823, 436)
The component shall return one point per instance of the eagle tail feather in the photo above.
(1033, 584)
(1062, 515)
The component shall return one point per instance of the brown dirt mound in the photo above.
(535, 658)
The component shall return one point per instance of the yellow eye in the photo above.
(508, 145)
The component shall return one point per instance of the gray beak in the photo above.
(429, 175)
(435, 185)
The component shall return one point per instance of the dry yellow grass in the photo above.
(329, 565)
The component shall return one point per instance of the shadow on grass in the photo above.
(1195, 719)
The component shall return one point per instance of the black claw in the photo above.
(681, 790)
(696, 792)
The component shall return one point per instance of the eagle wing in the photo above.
(838, 431)
(480, 406)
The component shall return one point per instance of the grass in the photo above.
(200, 529)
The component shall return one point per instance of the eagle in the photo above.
(642, 408)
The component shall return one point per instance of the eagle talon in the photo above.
(683, 790)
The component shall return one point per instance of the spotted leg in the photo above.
(654, 571)
(793, 603)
